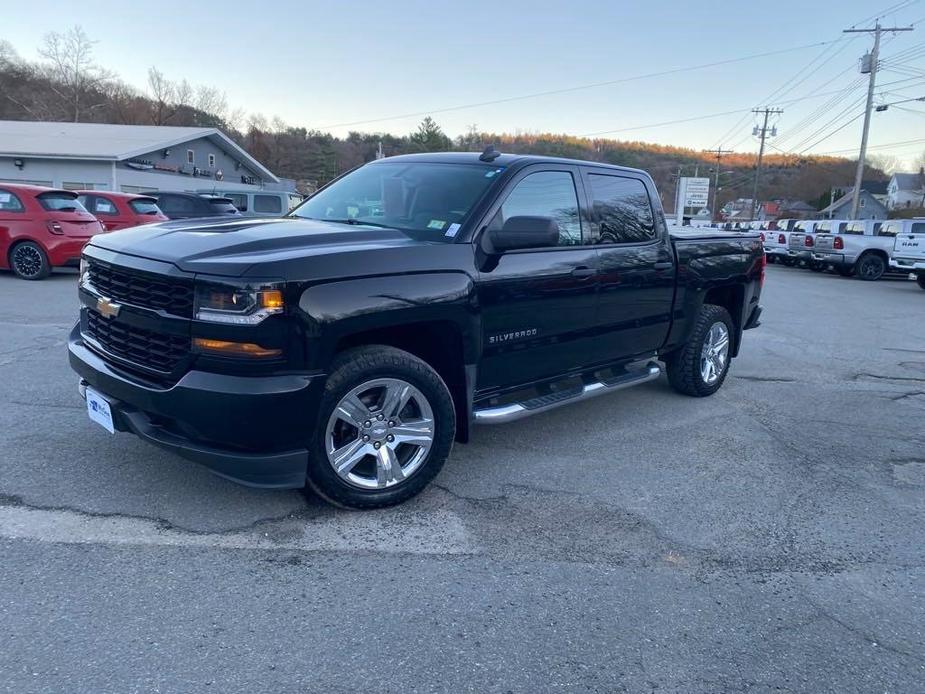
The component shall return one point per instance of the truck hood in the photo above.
(231, 247)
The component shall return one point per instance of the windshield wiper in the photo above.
(355, 222)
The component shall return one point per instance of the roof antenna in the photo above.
(489, 154)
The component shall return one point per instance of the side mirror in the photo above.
(525, 232)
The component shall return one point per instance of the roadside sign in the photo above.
(696, 192)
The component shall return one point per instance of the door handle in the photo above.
(664, 265)
(583, 272)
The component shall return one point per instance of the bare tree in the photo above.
(71, 65)
(888, 163)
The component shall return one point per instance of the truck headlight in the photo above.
(244, 304)
(83, 275)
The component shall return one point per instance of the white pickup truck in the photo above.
(909, 247)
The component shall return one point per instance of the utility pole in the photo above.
(874, 58)
(678, 212)
(719, 157)
(763, 132)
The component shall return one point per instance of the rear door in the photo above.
(104, 210)
(637, 268)
(538, 305)
(15, 221)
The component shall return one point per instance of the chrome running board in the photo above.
(543, 403)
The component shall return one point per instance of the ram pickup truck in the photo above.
(909, 247)
(346, 346)
(860, 247)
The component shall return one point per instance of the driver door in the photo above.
(538, 305)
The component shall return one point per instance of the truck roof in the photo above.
(502, 160)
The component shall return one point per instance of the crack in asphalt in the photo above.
(766, 379)
(880, 377)
(16, 501)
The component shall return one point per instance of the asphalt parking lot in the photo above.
(766, 539)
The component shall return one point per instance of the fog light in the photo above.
(233, 349)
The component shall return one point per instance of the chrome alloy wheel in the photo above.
(27, 260)
(380, 433)
(715, 353)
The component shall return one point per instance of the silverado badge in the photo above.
(107, 307)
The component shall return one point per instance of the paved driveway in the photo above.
(767, 539)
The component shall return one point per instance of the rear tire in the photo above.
(789, 262)
(920, 280)
(29, 262)
(870, 267)
(699, 369)
(370, 449)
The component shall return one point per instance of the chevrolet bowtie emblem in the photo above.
(107, 307)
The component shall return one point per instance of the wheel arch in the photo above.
(439, 343)
(732, 298)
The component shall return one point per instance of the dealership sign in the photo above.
(695, 192)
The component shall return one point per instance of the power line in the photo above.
(567, 90)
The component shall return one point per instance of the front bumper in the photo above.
(253, 430)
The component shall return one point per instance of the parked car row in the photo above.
(43, 228)
(863, 248)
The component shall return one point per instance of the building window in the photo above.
(190, 156)
(862, 202)
(211, 161)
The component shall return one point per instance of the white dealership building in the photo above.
(128, 158)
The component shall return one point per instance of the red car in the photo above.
(121, 210)
(42, 228)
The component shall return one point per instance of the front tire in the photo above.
(29, 262)
(385, 428)
(870, 267)
(920, 280)
(699, 368)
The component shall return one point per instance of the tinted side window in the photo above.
(918, 228)
(268, 203)
(239, 200)
(545, 194)
(104, 206)
(173, 204)
(9, 202)
(622, 209)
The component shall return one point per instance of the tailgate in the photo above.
(825, 242)
(910, 246)
(797, 241)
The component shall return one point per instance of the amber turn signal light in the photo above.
(233, 349)
(271, 299)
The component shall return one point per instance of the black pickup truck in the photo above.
(346, 346)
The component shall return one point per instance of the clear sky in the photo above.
(321, 65)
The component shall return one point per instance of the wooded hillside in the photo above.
(67, 85)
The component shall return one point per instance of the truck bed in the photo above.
(695, 234)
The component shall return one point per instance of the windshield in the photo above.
(61, 202)
(144, 207)
(427, 201)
